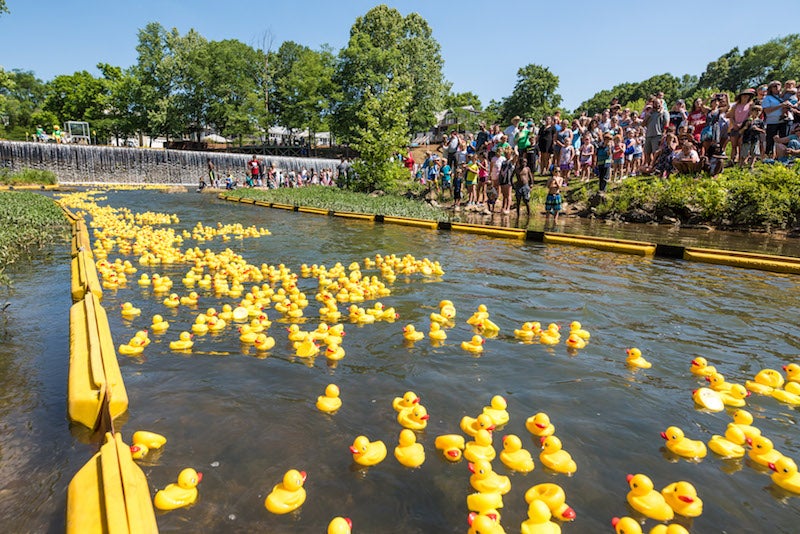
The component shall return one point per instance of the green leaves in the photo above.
(534, 94)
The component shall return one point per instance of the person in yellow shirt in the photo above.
(471, 179)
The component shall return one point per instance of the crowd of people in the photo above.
(487, 167)
(258, 174)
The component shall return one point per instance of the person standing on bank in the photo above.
(774, 110)
(656, 119)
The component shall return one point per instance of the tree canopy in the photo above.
(534, 95)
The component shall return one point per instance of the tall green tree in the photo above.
(156, 73)
(78, 96)
(535, 94)
(457, 100)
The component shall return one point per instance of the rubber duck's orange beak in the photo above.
(685, 498)
(664, 435)
(303, 475)
(471, 467)
(135, 449)
(491, 428)
(783, 367)
(772, 466)
(749, 441)
(415, 401)
(749, 393)
(629, 478)
(471, 517)
(353, 450)
(425, 417)
(569, 513)
(540, 425)
(452, 453)
(695, 363)
(541, 440)
(615, 520)
(199, 477)
(708, 379)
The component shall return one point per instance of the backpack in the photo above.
(506, 172)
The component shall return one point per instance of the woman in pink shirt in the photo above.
(738, 114)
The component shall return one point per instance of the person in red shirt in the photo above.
(697, 118)
(409, 163)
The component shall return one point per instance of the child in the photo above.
(446, 178)
(751, 131)
(565, 161)
(229, 181)
(457, 180)
(587, 157)
(470, 179)
(483, 175)
(433, 172)
(552, 204)
(618, 156)
(522, 187)
(603, 160)
(491, 196)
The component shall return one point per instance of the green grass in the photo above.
(28, 221)
(27, 177)
(335, 199)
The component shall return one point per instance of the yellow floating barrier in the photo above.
(408, 221)
(353, 215)
(80, 239)
(223, 196)
(245, 200)
(751, 260)
(110, 494)
(493, 231)
(93, 368)
(624, 246)
(289, 207)
(262, 203)
(309, 209)
(84, 277)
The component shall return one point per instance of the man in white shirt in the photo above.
(511, 131)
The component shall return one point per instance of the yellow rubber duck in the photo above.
(472, 425)
(184, 342)
(141, 338)
(129, 312)
(415, 418)
(334, 352)
(765, 381)
(340, 525)
(406, 402)
(264, 342)
(447, 310)
(539, 425)
(717, 382)
(295, 334)
(246, 334)
(763, 452)
(436, 333)
(172, 301)
(408, 452)
(576, 328)
(735, 397)
(792, 371)
(528, 331)
(487, 326)
(635, 359)
(538, 521)
(709, 399)
(199, 327)
(474, 345)
(555, 458)
(484, 524)
(731, 445)
(239, 314)
(682, 498)
(679, 444)
(514, 456)
(478, 316)
(485, 480)
(647, 501)
(411, 334)
(159, 325)
(306, 348)
(191, 299)
(789, 395)
(288, 495)
(554, 497)
(215, 324)
(451, 445)
(497, 410)
(144, 280)
(744, 420)
(628, 525)
(786, 475)
(480, 448)
(700, 367)
(366, 452)
(574, 341)
(551, 336)
(181, 494)
(485, 504)
(133, 348)
(144, 442)
(330, 401)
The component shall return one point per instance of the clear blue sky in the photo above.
(590, 45)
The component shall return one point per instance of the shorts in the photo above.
(651, 144)
(585, 160)
(523, 193)
(565, 166)
(750, 148)
(504, 180)
(552, 203)
(637, 155)
(619, 161)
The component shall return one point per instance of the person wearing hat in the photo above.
(738, 114)
(511, 131)
(774, 110)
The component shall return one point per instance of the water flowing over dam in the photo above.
(77, 164)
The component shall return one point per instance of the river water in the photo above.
(244, 420)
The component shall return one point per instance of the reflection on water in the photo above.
(244, 420)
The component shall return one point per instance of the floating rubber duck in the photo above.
(485, 480)
(436, 333)
(330, 401)
(551, 336)
(538, 521)
(340, 525)
(289, 495)
(709, 399)
(406, 402)
(471, 426)
(484, 524)
(132, 348)
(184, 342)
(264, 342)
(717, 382)
(411, 334)
(635, 359)
(181, 494)
(497, 411)
(763, 452)
(528, 331)
(679, 444)
(447, 310)
(574, 341)
(246, 334)
(334, 352)
(240, 314)
(539, 425)
(628, 525)
(786, 475)
(792, 371)
(765, 381)
(682, 498)
(129, 312)
(190, 299)
(514, 456)
(735, 397)
(555, 458)
(199, 327)
(576, 328)
(485, 504)
(226, 314)
(295, 334)
(366, 452)
(216, 324)
(159, 325)
(731, 445)
(744, 420)
(700, 367)
(555, 499)
(789, 395)
(480, 448)
(487, 325)
(144, 280)
(408, 452)
(172, 301)
(415, 418)
(647, 501)
(144, 442)
(473, 345)
(451, 445)
(306, 348)
(478, 316)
